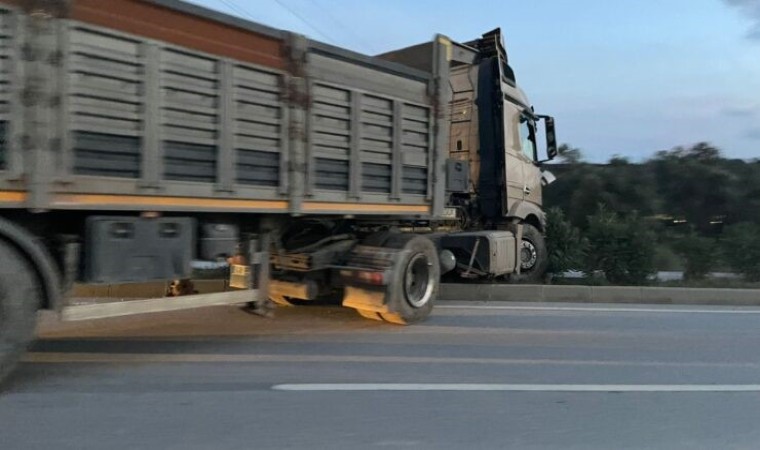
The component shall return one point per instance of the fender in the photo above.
(40, 259)
(522, 210)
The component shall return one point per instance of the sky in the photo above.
(623, 77)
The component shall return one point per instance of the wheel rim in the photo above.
(528, 255)
(418, 281)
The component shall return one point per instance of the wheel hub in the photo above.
(528, 255)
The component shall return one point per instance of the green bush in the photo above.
(565, 247)
(741, 249)
(666, 258)
(622, 248)
(699, 255)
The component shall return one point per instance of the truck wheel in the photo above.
(20, 297)
(414, 287)
(533, 256)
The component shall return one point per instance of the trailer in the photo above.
(143, 136)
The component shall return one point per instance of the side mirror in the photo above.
(551, 137)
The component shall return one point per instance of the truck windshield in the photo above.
(527, 138)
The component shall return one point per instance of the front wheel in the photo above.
(533, 256)
(20, 296)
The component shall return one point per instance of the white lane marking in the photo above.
(601, 309)
(334, 387)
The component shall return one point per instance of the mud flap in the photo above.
(369, 297)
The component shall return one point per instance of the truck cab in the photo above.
(494, 174)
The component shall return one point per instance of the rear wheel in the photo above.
(20, 297)
(414, 287)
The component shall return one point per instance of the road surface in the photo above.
(522, 376)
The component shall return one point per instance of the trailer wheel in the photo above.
(414, 287)
(533, 256)
(20, 297)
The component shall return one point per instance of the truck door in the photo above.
(529, 155)
(515, 157)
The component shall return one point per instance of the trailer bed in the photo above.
(160, 105)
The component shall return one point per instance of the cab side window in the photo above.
(527, 138)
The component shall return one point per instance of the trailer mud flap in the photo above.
(366, 277)
(365, 299)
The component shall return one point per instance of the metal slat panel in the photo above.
(109, 69)
(255, 113)
(189, 162)
(376, 146)
(335, 112)
(258, 168)
(331, 95)
(3, 144)
(377, 104)
(103, 113)
(187, 133)
(332, 153)
(109, 155)
(377, 133)
(245, 75)
(376, 178)
(257, 143)
(415, 139)
(128, 112)
(415, 159)
(377, 158)
(88, 53)
(258, 130)
(331, 174)
(103, 124)
(247, 95)
(96, 86)
(6, 72)
(191, 64)
(183, 98)
(258, 127)
(376, 119)
(186, 84)
(331, 140)
(415, 180)
(413, 126)
(117, 46)
(184, 119)
(105, 105)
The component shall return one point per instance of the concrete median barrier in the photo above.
(599, 294)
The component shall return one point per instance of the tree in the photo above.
(565, 246)
(741, 249)
(699, 254)
(569, 155)
(694, 184)
(621, 247)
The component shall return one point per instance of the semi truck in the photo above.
(141, 137)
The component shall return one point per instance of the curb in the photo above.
(598, 294)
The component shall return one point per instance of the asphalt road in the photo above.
(473, 376)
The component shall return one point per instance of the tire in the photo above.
(533, 256)
(413, 289)
(20, 297)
